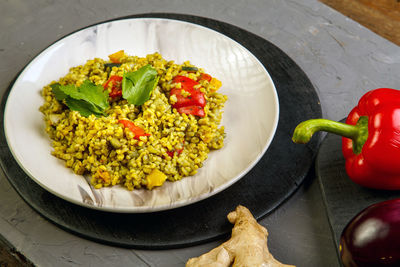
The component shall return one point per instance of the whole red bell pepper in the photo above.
(371, 139)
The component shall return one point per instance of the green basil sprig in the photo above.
(87, 99)
(138, 85)
(90, 99)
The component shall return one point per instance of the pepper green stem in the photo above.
(358, 133)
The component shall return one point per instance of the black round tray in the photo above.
(277, 175)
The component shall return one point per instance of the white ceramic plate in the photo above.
(250, 117)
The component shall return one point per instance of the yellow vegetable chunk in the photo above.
(215, 84)
(116, 57)
(155, 178)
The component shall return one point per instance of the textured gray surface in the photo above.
(342, 59)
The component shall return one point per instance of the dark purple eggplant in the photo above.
(372, 237)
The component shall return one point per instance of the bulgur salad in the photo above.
(134, 121)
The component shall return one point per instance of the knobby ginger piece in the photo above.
(246, 248)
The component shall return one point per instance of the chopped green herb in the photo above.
(138, 85)
(112, 65)
(87, 99)
(188, 68)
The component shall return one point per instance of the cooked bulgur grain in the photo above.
(176, 144)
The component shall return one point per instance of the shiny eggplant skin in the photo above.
(372, 237)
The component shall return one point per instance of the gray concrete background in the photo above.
(342, 59)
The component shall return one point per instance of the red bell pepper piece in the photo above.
(205, 76)
(192, 104)
(186, 83)
(172, 152)
(194, 110)
(371, 139)
(116, 89)
(134, 129)
(196, 98)
(177, 151)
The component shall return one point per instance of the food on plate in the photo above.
(372, 237)
(134, 121)
(246, 247)
(371, 139)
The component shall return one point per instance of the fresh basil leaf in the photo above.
(58, 93)
(84, 108)
(87, 99)
(94, 94)
(138, 85)
(70, 91)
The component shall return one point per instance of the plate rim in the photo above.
(162, 207)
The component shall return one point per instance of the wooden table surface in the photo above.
(342, 58)
(380, 16)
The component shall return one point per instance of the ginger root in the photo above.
(246, 248)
